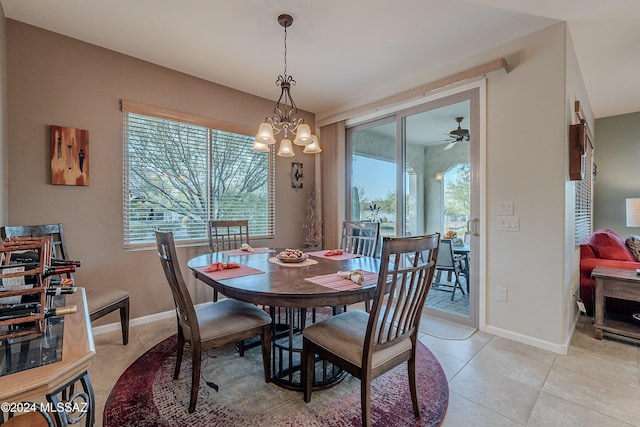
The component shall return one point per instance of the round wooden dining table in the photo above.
(291, 299)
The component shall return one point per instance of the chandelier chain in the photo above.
(285, 53)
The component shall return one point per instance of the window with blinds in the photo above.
(584, 200)
(179, 175)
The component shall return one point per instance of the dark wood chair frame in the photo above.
(188, 327)
(226, 235)
(360, 238)
(406, 272)
(59, 250)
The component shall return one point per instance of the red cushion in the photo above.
(607, 244)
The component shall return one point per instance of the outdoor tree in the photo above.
(170, 173)
(458, 191)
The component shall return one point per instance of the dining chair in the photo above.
(451, 263)
(209, 325)
(360, 237)
(366, 345)
(100, 302)
(227, 235)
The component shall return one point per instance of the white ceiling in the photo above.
(342, 50)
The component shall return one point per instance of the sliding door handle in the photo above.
(472, 227)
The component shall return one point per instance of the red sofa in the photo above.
(606, 248)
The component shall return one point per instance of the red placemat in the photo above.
(333, 281)
(230, 273)
(345, 255)
(240, 252)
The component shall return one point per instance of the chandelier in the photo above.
(285, 118)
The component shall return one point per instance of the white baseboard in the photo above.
(103, 329)
(535, 342)
(98, 330)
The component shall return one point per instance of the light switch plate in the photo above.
(505, 207)
(508, 223)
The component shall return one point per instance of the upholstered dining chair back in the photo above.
(99, 301)
(360, 237)
(368, 344)
(228, 234)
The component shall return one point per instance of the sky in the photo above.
(376, 177)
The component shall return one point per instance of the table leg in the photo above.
(74, 406)
(287, 350)
(599, 307)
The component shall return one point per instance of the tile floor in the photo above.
(493, 381)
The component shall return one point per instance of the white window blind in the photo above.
(584, 200)
(179, 175)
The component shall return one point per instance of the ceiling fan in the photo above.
(457, 135)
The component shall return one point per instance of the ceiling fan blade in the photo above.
(450, 145)
(439, 141)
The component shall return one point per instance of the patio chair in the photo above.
(450, 263)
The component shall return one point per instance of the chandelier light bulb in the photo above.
(286, 149)
(303, 135)
(265, 134)
(260, 147)
(314, 147)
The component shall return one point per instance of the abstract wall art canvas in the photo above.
(69, 156)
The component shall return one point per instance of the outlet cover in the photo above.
(502, 294)
(581, 307)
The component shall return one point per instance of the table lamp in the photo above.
(633, 212)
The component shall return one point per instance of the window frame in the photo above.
(128, 107)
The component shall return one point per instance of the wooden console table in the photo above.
(53, 365)
(621, 284)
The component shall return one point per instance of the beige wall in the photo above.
(576, 91)
(55, 80)
(527, 113)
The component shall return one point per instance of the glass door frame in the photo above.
(349, 170)
(476, 94)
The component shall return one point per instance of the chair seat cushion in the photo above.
(227, 317)
(344, 336)
(97, 299)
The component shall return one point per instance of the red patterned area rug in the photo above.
(147, 395)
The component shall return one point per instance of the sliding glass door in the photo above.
(414, 173)
(373, 171)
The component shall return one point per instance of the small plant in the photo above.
(374, 210)
(312, 225)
